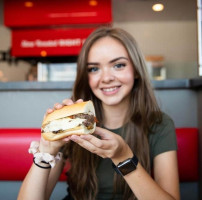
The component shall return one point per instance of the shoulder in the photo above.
(166, 123)
(165, 126)
(162, 137)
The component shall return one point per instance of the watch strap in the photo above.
(116, 169)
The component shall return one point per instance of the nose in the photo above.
(107, 76)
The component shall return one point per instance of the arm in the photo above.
(54, 177)
(39, 182)
(166, 184)
(34, 184)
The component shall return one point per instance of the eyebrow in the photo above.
(114, 60)
(111, 61)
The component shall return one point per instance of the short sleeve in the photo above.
(162, 137)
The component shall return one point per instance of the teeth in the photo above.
(109, 89)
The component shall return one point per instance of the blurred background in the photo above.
(168, 38)
(39, 44)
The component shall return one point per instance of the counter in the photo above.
(34, 86)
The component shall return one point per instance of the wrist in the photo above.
(40, 158)
(47, 147)
(125, 154)
(48, 150)
(127, 166)
(42, 164)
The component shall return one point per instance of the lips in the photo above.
(110, 90)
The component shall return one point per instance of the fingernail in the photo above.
(49, 110)
(58, 106)
(66, 139)
(79, 101)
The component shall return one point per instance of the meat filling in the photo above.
(88, 122)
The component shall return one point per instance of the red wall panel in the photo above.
(23, 13)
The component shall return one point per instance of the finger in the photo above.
(86, 144)
(48, 111)
(67, 102)
(79, 101)
(67, 139)
(95, 141)
(58, 106)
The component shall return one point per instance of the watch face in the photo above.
(126, 167)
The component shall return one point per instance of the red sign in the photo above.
(48, 42)
(21, 13)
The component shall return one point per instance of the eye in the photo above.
(92, 69)
(119, 65)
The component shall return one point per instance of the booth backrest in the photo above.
(188, 154)
(15, 160)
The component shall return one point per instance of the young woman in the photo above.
(132, 130)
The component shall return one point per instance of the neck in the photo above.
(114, 115)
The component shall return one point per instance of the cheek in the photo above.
(130, 75)
(92, 80)
(127, 77)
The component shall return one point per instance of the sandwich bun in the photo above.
(75, 119)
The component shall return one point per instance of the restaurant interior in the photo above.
(39, 45)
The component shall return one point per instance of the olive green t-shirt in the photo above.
(161, 139)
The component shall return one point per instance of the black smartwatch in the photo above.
(126, 166)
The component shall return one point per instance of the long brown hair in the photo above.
(143, 112)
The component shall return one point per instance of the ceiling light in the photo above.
(28, 4)
(157, 7)
(93, 3)
(43, 53)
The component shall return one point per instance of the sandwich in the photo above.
(75, 119)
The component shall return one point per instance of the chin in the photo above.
(111, 102)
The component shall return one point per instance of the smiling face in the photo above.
(110, 71)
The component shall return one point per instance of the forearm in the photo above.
(34, 184)
(53, 177)
(144, 187)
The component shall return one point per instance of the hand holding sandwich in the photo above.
(67, 121)
(74, 119)
(62, 117)
(106, 145)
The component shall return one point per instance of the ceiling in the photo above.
(140, 10)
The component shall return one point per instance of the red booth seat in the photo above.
(188, 155)
(15, 160)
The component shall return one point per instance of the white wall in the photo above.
(175, 40)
